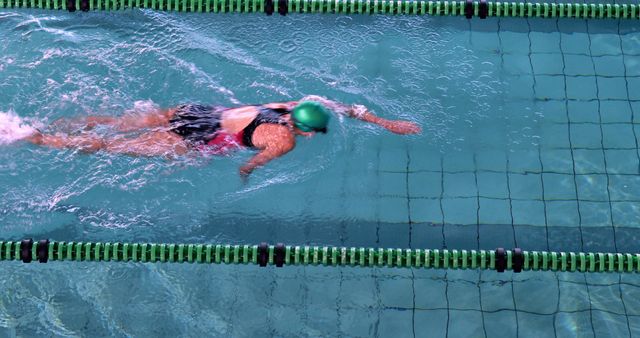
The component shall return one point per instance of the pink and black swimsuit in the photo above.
(200, 126)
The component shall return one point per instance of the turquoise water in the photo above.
(530, 139)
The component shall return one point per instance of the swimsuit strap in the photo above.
(266, 115)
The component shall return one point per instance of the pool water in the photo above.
(531, 131)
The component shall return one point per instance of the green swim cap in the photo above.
(310, 116)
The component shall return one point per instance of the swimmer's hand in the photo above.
(245, 171)
(35, 138)
(401, 127)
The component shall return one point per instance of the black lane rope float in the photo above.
(500, 260)
(466, 8)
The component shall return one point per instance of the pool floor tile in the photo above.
(426, 211)
(615, 111)
(528, 212)
(493, 236)
(589, 161)
(460, 210)
(573, 324)
(531, 325)
(494, 211)
(492, 184)
(613, 325)
(565, 238)
(526, 186)
(425, 184)
(465, 324)
(592, 187)
(609, 65)
(496, 296)
(429, 323)
(615, 88)
(431, 292)
(395, 323)
(618, 135)
(599, 238)
(501, 324)
(583, 111)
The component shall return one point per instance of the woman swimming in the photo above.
(269, 128)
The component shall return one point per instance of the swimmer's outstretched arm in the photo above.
(361, 113)
(395, 126)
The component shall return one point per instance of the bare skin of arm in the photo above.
(361, 113)
(394, 126)
(273, 142)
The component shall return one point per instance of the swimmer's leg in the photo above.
(156, 143)
(150, 144)
(86, 143)
(125, 123)
(131, 122)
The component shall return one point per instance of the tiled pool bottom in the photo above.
(540, 152)
(554, 156)
(313, 301)
(575, 189)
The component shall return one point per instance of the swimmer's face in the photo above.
(306, 134)
(297, 131)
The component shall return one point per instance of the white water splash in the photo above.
(14, 128)
(143, 107)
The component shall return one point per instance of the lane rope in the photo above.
(467, 8)
(263, 254)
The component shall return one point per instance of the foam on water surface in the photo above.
(13, 128)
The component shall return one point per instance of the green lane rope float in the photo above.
(466, 8)
(500, 260)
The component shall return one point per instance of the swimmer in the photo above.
(271, 129)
